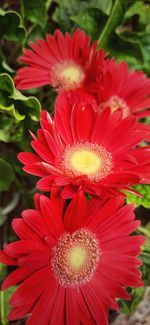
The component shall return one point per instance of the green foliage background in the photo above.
(122, 27)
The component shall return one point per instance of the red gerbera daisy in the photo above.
(125, 89)
(65, 62)
(88, 149)
(73, 262)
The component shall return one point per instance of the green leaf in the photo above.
(81, 12)
(9, 207)
(145, 191)
(6, 175)
(145, 256)
(76, 6)
(6, 83)
(35, 11)
(14, 102)
(61, 17)
(112, 37)
(35, 33)
(67, 9)
(142, 42)
(146, 274)
(10, 129)
(137, 296)
(128, 307)
(91, 20)
(104, 5)
(134, 33)
(4, 66)
(124, 307)
(84, 20)
(2, 218)
(11, 27)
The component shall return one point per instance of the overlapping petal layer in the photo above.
(51, 290)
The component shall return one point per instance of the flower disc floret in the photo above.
(88, 159)
(116, 102)
(75, 257)
(123, 88)
(67, 75)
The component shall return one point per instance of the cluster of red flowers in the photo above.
(75, 255)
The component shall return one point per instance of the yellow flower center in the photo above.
(88, 159)
(75, 257)
(67, 75)
(85, 161)
(116, 102)
(71, 74)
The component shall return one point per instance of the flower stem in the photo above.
(22, 10)
(2, 305)
(113, 21)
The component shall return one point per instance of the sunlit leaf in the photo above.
(128, 307)
(13, 101)
(139, 8)
(143, 189)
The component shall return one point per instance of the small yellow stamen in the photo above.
(77, 257)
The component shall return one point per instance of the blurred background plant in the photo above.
(122, 27)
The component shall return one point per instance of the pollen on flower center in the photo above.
(75, 257)
(67, 75)
(88, 159)
(116, 102)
